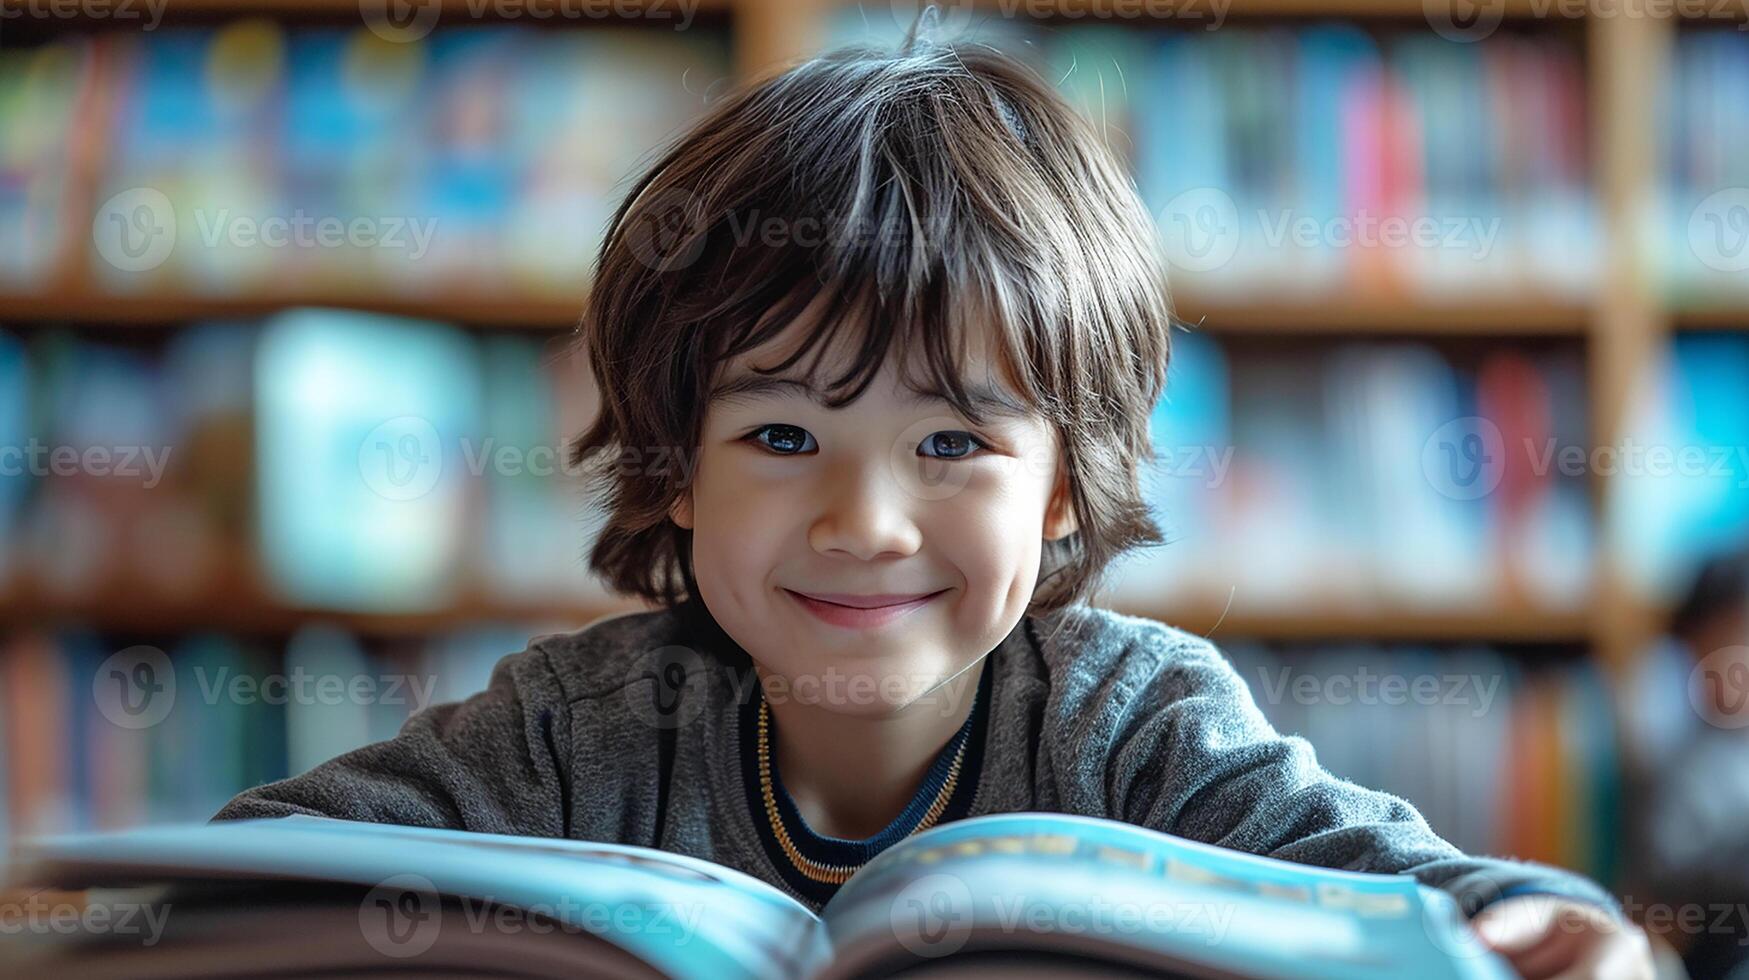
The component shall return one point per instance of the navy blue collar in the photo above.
(844, 851)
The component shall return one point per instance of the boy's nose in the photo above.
(867, 516)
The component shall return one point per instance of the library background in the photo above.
(1463, 417)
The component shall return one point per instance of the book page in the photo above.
(1117, 892)
(686, 917)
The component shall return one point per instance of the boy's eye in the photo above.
(789, 440)
(951, 444)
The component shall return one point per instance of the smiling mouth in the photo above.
(861, 612)
(865, 601)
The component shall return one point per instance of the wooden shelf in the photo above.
(1127, 11)
(1712, 316)
(1482, 625)
(238, 599)
(1312, 315)
(502, 10)
(1710, 13)
(266, 617)
(257, 615)
(1111, 11)
(1408, 315)
(83, 305)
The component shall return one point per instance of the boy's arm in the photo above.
(1190, 754)
(494, 763)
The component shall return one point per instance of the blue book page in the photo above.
(1123, 893)
(686, 917)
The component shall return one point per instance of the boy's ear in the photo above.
(1060, 519)
(681, 510)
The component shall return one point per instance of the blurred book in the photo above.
(1502, 751)
(44, 99)
(1190, 432)
(1366, 475)
(1681, 486)
(1699, 241)
(363, 497)
(16, 429)
(86, 746)
(319, 458)
(1403, 166)
(535, 539)
(37, 690)
(471, 161)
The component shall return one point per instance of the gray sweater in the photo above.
(628, 731)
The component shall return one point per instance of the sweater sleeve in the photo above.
(1192, 755)
(496, 762)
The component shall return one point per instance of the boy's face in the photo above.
(887, 496)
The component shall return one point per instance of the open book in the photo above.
(1005, 894)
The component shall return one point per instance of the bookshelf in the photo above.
(1616, 329)
(1616, 326)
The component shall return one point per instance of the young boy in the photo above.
(905, 315)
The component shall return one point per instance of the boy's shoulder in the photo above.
(1126, 692)
(1091, 651)
(622, 648)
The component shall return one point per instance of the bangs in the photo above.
(851, 317)
(921, 213)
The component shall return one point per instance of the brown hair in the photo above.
(917, 193)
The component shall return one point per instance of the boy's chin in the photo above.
(867, 689)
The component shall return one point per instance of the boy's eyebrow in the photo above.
(988, 399)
